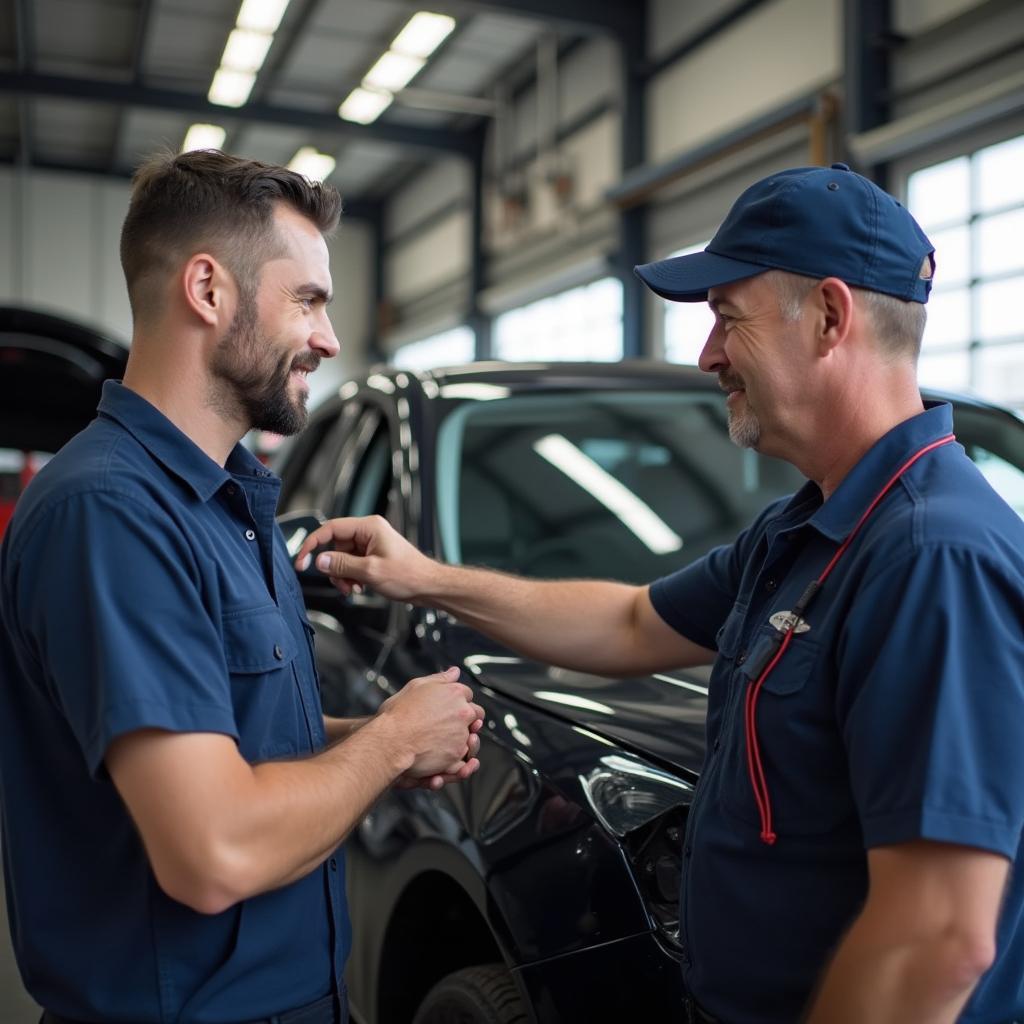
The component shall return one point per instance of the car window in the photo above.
(364, 486)
(617, 485)
(309, 465)
(996, 443)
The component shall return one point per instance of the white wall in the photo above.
(59, 246)
(779, 52)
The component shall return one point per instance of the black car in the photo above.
(544, 889)
(51, 376)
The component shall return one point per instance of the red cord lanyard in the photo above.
(781, 642)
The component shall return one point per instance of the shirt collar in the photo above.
(172, 448)
(838, 516)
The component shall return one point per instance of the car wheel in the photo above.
(474, 995)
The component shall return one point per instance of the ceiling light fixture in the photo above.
(311, 164)
(261, 15)
(392, 72)
(203, 136)
(231, 88)
(364, 105)
(423, 33)
(245, 50)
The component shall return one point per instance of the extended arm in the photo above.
(924, 938)
(587, 625)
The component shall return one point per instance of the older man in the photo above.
(849, 850)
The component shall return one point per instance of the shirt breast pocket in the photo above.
(798, 738)
(260, 650)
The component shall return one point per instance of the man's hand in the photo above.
(433, 722)
(367, 551)
(458, 772)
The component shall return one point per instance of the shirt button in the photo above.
(333, 864)
(741, 658)
(250, 534)
(770, 585)
(278, 653)
(231, 489)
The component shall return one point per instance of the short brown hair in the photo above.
(207, 200)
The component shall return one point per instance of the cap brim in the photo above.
(688, 278)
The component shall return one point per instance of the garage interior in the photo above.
(504, 169)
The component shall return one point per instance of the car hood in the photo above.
(661, 716)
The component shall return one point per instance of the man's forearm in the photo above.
(924, 982)
(339, 729)
(586, 625)
(280, 831)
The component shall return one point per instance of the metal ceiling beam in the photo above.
(125, 94)
(617, 17)
(143, 23)
(352, 209)
(24, 30)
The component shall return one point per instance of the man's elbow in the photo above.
(208, 884)
(964, 958)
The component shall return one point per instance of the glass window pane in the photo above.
(949, 318)
(999, 310)
(449, 348)
(1000, 374)
(940, 194)
(999, 242)
(947, 371)
(626, 485)
(687, 326)
(952, 256)
(1000, 181)
(581, 324)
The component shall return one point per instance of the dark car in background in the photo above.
(51, 374)
(545, 888)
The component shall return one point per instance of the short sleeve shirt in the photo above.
(145, 586)
(898, 715)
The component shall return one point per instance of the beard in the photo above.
(251, 385)
(744, 428)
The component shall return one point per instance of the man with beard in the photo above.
(173, 796)
(862, 795)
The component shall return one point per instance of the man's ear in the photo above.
(209, 290)
(833, 306)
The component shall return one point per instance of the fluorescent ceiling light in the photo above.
(203, 136)
(231, 88)
(636, 515)
(423, 34)
(311, 164)
(245, 50)
(261, 15)
(364, 105)
(392, 72)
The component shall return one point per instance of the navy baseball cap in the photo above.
(815, 221)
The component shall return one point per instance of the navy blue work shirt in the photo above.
(898, 716)
(145, 586)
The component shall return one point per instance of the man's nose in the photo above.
(712, 357)
(323, 339)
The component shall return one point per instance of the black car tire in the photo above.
(474, 995)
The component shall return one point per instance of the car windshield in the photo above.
(616, 485)
(628, 485)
